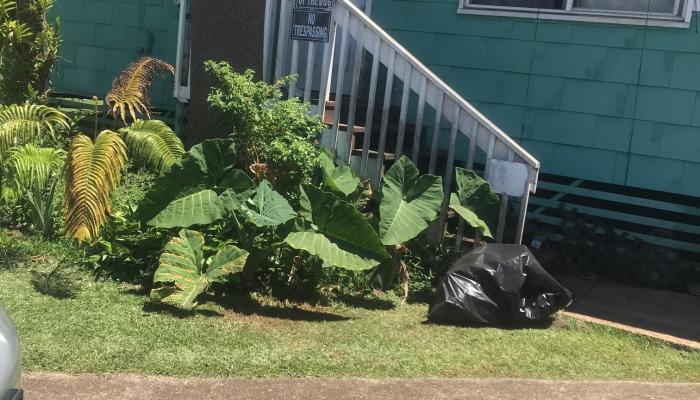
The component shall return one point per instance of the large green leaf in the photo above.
(339, 179)
(187, 194)
(321, 246)
(152, 144)
(475, 194)
(201, 207)
(469, 216)
(341, 236)
(216, 158)
(409, 202)
(184, 274)
(267, 207)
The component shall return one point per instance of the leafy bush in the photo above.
(28, 48)
(131, 191)
(275, 139)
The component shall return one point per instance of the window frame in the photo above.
(571, 13)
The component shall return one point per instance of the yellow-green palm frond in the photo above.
(93, 172)
(29, 123)
(130, 90)
(152, 144)
(28, 167)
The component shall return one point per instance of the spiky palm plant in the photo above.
(152, 144)
(27, 166)
(93, 172)
(33, 173)
(130, 89)
(29, 123)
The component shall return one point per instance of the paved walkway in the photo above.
(665, 315)
(130, 387)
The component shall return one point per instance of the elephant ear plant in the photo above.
(343, 237)
(410, 202)
(184, 273)
(475, 202)
(191, 191)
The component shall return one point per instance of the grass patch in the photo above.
(68, 322)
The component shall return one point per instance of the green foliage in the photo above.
(185, 273)
(30, 123)
(152, 145)
(188, 193)
(475, 202)
(125, 250)
(32, 174)
(338, 179)
(28, 49)
(131, 191)
(28, 167)
(409, 202)
(469, 216)
(339, 235)
(267, 207)
(93, 172)
(274, 138)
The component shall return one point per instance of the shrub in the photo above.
(29, 47)
(274, 139)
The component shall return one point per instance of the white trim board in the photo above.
(597, 16)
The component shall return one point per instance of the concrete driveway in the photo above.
(118, 387)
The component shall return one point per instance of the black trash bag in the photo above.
(498, 284)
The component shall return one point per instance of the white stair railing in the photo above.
(510, 169)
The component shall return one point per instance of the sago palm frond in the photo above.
(28, 167)
(93, 171)
(130, 89)
(29, 123)
(152, 144)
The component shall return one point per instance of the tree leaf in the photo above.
(469, 216)
(130, 90)
(409, 202)
(187, 194)
(216, 159)
(227, 261)
(29, 123)
(28, 167)
(321, 246)
(93, 172)
(201, 207)
(267, 207)
(475, 194)
(339, 179)
(152, 144)
(342, 236)
(183, 273)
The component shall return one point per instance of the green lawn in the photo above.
(103, 326)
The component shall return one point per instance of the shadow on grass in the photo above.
(247, 305)
(55, 283)
(544, 324)
(163, 308)
(366, 302)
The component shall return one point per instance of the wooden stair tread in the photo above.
(374, 154)
(328, 119)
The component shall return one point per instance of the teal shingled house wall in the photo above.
(101, 37)
(572, 93)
